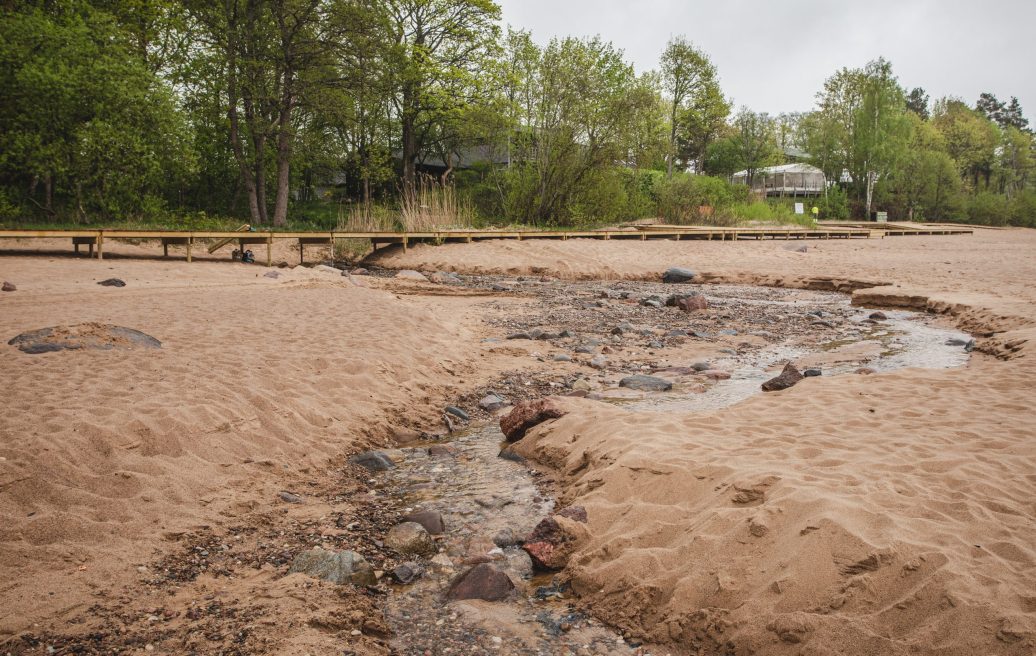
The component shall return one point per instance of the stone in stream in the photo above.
(457, 412)
(701, 366)
(548, 544)
(599, 362)
(341, 567)
(407, 572)
(646, 383)
(788, 377)
(483, 581)
(113, 282)
(527, 414)
(562, 357)
(492, 402)
(812, 373)
(409, 538)
(866, 371)
(373, 460)
(504, 538)
(410, 274)
(431, 520)
(8, 287)
(678, 275)
(968, 344)
(878, 316)
(715, 374)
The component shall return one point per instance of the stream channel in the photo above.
(489, 503)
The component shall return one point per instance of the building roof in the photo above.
(783, 168)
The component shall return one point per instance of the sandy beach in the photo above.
(882, 514)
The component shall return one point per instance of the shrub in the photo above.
(683, 199)
(987, 208)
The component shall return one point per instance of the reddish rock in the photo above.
(483, 581)
(549, 545)
(788, 377)
(527, 414)
(8, 287)
(442, 451)
(692, 303)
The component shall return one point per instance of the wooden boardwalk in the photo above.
(95, 240)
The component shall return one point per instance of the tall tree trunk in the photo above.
(284, 140)
(672, 140)
(409, 151)
(232, 116)
(48, 193)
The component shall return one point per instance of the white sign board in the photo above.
(799, 209)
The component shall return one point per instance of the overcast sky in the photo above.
(773, 56)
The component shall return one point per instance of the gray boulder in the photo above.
(341, 567)
(409, 538)
(373, 460)
(646, 383)
(678, 275)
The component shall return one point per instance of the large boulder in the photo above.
(409, 538)
(646, 383)
(678, 275)
(483, 581)
(527, 414)
(788, 377)
(341, 567)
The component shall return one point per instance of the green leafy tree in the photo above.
(917, 102)
(697, 108)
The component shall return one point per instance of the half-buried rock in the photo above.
(788, 377)
(526, 415)
(646, 383)
(373, 460)
(409, 538)
(341, 567)
(677, 275)
(483, 581)
(550, 543)
(431, 520)
(99, 336)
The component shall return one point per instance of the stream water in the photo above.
(487, 501)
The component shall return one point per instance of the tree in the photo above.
(861, 126)
(754, 141)
(87, 126)
(971, 138)
(917, 102)
(443, 46)
(696, 106)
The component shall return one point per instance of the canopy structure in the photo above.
(785, 180)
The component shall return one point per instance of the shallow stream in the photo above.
(482, 496)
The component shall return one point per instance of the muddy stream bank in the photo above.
(481, 505)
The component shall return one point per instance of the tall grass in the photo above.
(431, 205)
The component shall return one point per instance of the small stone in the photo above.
(878, 316)
(562, 357)
(646, 383)
(678, 275)
(457, 412)
(692, 303)
(272, 274)
(431, 520)
(797, 248)
(410, 274)
(701, 366)
(677, 332)
(866, 371)
(599, 362)
(492, 402)
(483, 581)
(373, 460)
(582, 384)
(788, 377)
(622, 328)
(407, 572)
(652, 301)
(409, 538)
(8, 287)
(359, 271)
(504, 538)
(112, 282)
(520, 335)
(289, 497)
(323, 268)
(716, 374)
(812, 373)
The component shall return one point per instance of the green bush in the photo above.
(1023, 209)
(988, 208)
(834, 206)
(683, 198)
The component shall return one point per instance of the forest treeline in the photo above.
(317, 111)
